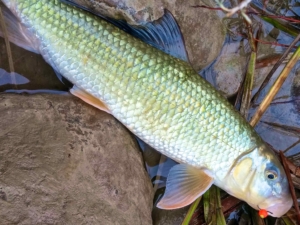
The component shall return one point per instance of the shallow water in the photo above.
(32, 67)
(280, 125)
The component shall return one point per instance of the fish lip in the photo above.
(284, 205)
(269, 212)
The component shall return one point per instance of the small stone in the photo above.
(230, 69)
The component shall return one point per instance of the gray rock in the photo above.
(65, 162)
(230, 69)
(169, 217)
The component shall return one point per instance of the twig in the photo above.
(293, 168)
(292, 146)
(206, 7)
(276, 22)
(248, 84)
(8, 49)
(274, 43)
(249, 12)
(7, 44)
(291, 130)
(287, 171)
(275, 88)
(271, 60)
(275, 67)
(239, 7)
(253, 12)
(280, 26)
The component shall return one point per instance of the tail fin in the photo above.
(17, 32)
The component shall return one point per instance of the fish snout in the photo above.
(281, 207)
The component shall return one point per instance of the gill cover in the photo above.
(258, 178)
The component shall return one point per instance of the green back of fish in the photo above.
(158, 97)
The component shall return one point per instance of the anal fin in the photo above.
(88, 98)
(184, 185)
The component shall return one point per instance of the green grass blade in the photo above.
(191, 211)
(213, 213)
(248, 86)
(280, 26)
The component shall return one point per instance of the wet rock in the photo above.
(202, 29)
(65, 162)
(230, 69)
(169, 217)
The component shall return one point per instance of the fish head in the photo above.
(258, 178)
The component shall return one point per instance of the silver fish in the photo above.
(161, 99)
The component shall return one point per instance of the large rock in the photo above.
(65, 162)
(169, 217)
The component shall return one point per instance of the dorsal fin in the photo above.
(163, 34)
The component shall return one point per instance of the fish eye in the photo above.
(271, 174)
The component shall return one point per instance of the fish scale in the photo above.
(187, 119)
(160, 98)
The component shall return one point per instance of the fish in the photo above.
(159, 97)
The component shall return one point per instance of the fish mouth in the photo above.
(269, 212)
(278, 209)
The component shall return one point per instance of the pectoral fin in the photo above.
(184, 185)
(88, 98)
